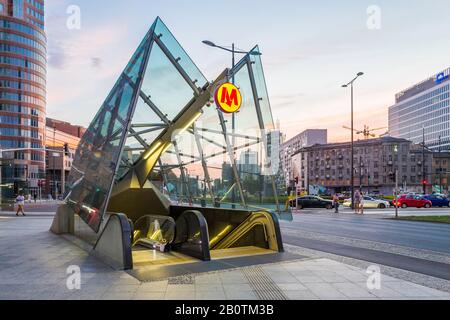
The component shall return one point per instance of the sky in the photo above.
(309, 50)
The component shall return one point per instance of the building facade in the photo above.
(304, 139)
(61, 142)
(440, 172)
(22, 95)
(327, 167)
(423, 110)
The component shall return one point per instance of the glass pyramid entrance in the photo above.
(159, 129)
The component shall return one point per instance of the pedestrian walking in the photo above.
(35, 197)
(357, 200)
(336, 203)
(361, 204)
(20, 205)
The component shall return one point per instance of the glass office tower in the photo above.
(22, 95)
(423, 107)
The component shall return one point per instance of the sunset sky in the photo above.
(309, 51)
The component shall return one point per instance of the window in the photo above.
(18, 8)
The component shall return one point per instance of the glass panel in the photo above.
(164, 84)
(99, 150)
(178, 52)
(261, 88)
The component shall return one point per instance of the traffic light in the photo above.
(424, 182)
(392, 176)
(296, 180)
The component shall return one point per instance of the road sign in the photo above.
(228, 98)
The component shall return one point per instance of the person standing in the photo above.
(357, 199)
(336, 203)
(20, 205)
(361, 204)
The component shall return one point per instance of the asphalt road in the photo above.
(376, 227)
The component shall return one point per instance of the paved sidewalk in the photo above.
(34, 262)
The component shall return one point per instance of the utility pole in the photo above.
(53, 156)
(440, 166)
(352, 188)
(424, 180)
(396, 193)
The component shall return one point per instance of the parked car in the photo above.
(438, 200)
(411, 200)
(370, 202)
(311, 202)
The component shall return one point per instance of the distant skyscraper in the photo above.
(248, 165)
(425, 105)
(22, 95)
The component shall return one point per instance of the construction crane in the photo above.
(366, 132)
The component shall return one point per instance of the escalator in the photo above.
(203, 234)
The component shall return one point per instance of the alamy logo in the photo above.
(73, 281)
(74, 20)
(374, 279)
(374, 17)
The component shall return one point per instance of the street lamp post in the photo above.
(233, 116)
(352, 135)
(440, 167)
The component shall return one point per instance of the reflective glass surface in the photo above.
(96, 158)
(216, 160)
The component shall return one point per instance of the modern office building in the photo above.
(327, 167)
(22, 95)
(61, 142)
(423, 107)
(304, 139)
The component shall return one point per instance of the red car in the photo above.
(411, 200)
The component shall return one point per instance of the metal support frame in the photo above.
(204, 165)
(261, 124)
(137, 88)
(155, 109)
(232, 158)
(176, 64)
(183, 174)
(237, 135)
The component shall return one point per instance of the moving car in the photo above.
(411, 200)
(438, 200)
(311, 202)
(370, 202)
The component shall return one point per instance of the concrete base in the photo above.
(114, 244)
(63, 220)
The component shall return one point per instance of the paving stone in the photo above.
(155, 295)
(291, 286)
(240, 295)
(325, 291)
(300, 295)
(154, 286)
(180, 295)
(38, 270)
(352, 290)
(210, 295)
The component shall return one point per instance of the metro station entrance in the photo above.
(175, 169)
